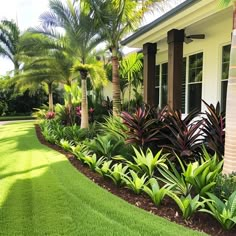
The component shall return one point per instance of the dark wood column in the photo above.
(149, 67)
(175, 39)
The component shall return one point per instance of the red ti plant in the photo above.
(184, 136)
(142, 127)
(214, 129)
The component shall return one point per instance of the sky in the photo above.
(26, 13)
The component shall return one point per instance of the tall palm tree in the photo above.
(10, 42)
(230, 130)
(81, 38)
(116, 18)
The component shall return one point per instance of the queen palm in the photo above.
(81, 38)
(230, 138)
(116, 18)
(10, 42)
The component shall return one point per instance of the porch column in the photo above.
(149, 66)
(175, 39)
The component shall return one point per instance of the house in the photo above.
(186, 55)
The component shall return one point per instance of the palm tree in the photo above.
(116, 18)
(81, 38)
(230, 130)
(130, 68)
(40, 70)
(10, 42)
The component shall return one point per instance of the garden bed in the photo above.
(168, 209)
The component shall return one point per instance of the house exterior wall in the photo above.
(217, 29)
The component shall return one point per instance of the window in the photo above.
(183, 92)
(161, 84)
(195, 81)
(157, 84)
(224, 75)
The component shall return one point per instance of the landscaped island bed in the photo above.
(42, 194)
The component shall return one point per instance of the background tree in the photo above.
(81, 38)
(115, 19)
(10, 46)
(130, 68)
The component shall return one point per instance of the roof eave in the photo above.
(159, 20)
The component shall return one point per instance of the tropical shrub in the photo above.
(187, 205)
(142, 129)
(153, 190)
(134, 182)
(223, 212)
(66, 115)
(3, 108)
(40, 113)
(184, 136)
(225, 185)
(214, 129)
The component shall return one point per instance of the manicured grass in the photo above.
(42, 194)
(9, 118)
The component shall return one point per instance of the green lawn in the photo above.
(42, 194)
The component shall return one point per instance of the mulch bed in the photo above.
(168, 209)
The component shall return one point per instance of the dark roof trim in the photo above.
(159, 20)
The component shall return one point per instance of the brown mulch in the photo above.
(168, 209)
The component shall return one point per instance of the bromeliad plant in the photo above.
(171, 176)
(116, 173)
(66, 145)
(223, 212)
(153, 190)
(107, 146)
(104, 170)
(187, 205)
(146, 163)
(134, 182)
(92, 161)
(202, 175)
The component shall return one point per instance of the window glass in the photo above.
(157, 85)
(195, 81)
(164, 83)
(224, 75)
(183, 86)
(195, 68)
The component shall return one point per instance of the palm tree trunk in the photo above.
(230, 130)
(50, 97)
(115, 83)
(84, 102)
